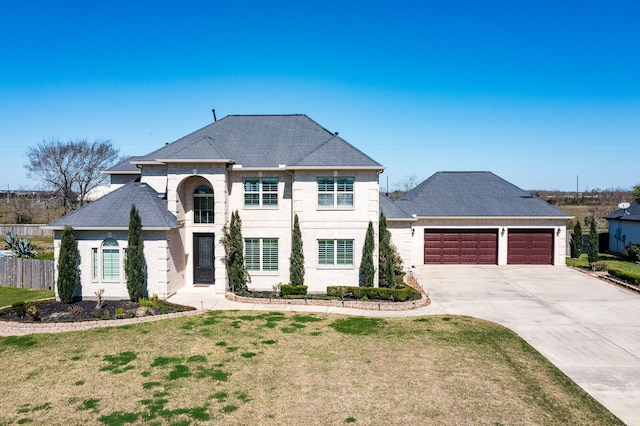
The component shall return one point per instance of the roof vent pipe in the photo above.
(214, 114)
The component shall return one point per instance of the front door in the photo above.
(203, 265)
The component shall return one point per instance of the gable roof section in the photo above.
(112, 211)
(631, 214)
(264, 141)
(474, 194)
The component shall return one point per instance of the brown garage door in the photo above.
(452, 246)
(530, 247)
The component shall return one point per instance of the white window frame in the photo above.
(98, 272)
(337, 251)
(263, 258)
(336, 192)
(264, 189)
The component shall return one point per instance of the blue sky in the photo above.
(538, 92)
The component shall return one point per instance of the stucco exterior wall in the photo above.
(402, 239)
(265, 222)
(181, 183)
(155, 250)
(319, 223)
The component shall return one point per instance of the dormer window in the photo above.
(203, 204)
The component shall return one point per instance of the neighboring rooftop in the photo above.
(631, 213)
(112, 210)
(124, 167)
(265, 141)
(473, 194)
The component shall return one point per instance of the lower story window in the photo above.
(335, 252)
(106, 261)
(261, 254)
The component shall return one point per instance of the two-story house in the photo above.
(267, 167)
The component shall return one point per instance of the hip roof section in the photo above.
(264, 141)
(473, 194)
(112, 210)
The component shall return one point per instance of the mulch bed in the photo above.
(86, 310)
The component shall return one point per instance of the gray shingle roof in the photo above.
(391, 209)
(112, 210)
(124, 167)
(474, 194)
(265, 141)
(632, 213)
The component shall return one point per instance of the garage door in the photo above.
(457, 247)
(530, 247)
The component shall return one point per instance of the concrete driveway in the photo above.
(586, 327)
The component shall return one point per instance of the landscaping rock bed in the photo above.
(47, 311)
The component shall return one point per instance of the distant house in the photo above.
(267, 167)
(624, 227)
(475, 218)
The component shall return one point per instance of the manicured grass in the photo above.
(283, 368)
(630, 269)
(11, 295)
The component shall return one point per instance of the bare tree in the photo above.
(71, 168)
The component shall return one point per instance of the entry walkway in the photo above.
(586, 327)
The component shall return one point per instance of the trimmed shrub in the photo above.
(68, 274)
(234, 248)
(624, 276)
(576, 241)
(293, 290)
(296, 267)
(134, 264)
(367, 270)
(594, 243)
(399, 294)
(632, 251)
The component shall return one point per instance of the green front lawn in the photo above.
(11, 295)
(272, 368)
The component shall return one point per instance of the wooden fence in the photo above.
(25, 231)
(27, 273)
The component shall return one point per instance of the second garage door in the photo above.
(452, 246)
(530, 247)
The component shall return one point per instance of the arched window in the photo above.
(110, 259)
(203, 204)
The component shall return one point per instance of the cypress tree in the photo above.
(134, 261)
(386, 255)
(594, 245)
(234, 247)
(296, 264)
(576, 241)
(68, 266)
(367, 270)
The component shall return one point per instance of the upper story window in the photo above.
(203, 204)
(261, 192)
(335, 192)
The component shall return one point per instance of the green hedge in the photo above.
(624, 276)
(399, 294)
(293, 290)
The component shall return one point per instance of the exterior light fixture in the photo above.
(502, 232)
